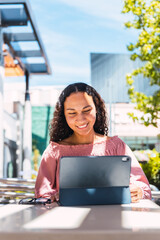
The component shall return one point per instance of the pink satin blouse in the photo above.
(47, 182)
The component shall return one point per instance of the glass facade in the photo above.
(108, 76)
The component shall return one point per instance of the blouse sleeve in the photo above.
(137, 175)
(46, 180)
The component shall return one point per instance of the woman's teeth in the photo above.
(82, 126)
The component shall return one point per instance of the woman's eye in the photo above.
(72, 113)
(86, 111)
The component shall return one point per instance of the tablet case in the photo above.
(94, 180)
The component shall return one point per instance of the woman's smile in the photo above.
(82, 126)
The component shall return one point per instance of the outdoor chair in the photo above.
(15, 189)
(155, 194)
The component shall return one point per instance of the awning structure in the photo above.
(22, 38)
(21, 53)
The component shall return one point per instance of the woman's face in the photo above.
(80, 113)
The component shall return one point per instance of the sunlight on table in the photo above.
(9, 209)
(138, 220)
(144, 216)
(60, 218)
(144, 203)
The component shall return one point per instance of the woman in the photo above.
(79, 128)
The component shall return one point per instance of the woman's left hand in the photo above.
(55, 197)
(136, 193)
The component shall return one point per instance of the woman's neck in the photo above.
(78, 139)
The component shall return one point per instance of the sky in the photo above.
(71, 30)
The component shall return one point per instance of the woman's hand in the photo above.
(136, 193)
(55, 197)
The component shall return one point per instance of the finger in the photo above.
(52, 199)
(134, 199)
(56, 197)
(134, 194)
(133, 188)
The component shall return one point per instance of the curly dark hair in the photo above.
(58, 126)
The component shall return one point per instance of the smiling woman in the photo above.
(79, 128)
(80, 117)
(79, 104)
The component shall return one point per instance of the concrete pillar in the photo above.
(18, 109)
(27, 133)
(1, 103)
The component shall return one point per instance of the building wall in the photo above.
(108, 76)
(10, 126)
(39, 95)
(136, 135)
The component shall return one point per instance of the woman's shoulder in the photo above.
(117, 142)
(112, 145)
(52, 149)
(116, 139)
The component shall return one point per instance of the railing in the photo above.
(14, 188)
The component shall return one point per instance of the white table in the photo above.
(135, 221)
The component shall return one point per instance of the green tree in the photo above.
(146, 19)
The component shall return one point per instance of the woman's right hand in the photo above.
(136, 193)
(55, 197)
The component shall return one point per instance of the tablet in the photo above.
(94, 180)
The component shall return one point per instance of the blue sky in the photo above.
(72, 29)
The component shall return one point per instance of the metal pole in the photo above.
(1, 103)
(110, 106)
(27, 132)
(27, 95)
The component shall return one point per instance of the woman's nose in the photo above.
(80, 117)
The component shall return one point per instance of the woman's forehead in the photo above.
(78, 99)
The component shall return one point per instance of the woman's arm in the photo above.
(46, 180)
(139, 184)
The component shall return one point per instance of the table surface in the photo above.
(130, 221)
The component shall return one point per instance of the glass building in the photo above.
(108, 77)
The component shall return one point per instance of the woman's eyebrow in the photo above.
(87, 106)
(72, 109)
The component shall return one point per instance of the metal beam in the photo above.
(28, 53)
(19, 37)
(37, 68)
(33, 68)
(13, 17)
